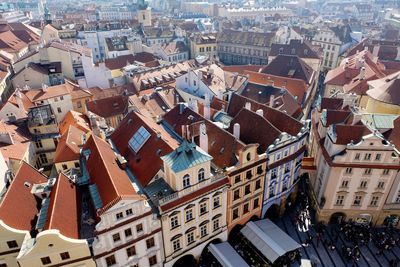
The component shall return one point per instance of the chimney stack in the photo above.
(236, 130)
(248, 105)
(271, 101)
(18, 98)
(203, 137)
(207, 107)
(260, 112)
(362, 73)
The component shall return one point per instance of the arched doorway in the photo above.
(254, 218)
(206, 258)
(337, 218)
(186, 261)
(234, 232)
(272, 213)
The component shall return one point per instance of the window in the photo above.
(203, 230)
(340, 200)
(357, 157)
(381, 185)
(116, 237)
(357, 200)
(79, 104)
(398, 197)
(368, 171)
(150, 242)
(256, 203)
(61, 97)
(43, 158)
(367, 156)
(129, 212)
(245, 208)
(236, 194)
(153, 260)
(131, 251)
(119, 215)
(235, 214)
(203, 208)
(363, 184)
(128, 232)
(272, 190)
(374, 201)
(176, 244)
(194, 83)
(216, 202)
(139, 228)
(45, 260)
(59, 110)
(378, 157)
(386, 172)
(138, 139)
(258, 184)
(186, 181)
(189, 215)
(190, 238)
(345, 183)
(274, 173)
(65, 256)
(174, 222)
(215, 224)
(237, 179)
(247, 189)
(249, 174)
(259, 170)
(200, 175)
(349, 170)
(39, 144)
(12, 244)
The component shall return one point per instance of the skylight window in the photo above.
(138, 139)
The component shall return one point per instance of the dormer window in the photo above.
(201, 175)
(186, 181)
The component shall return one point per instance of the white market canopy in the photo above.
(269, 239)
(226, 255)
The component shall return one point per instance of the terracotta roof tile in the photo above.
(64, 208)
(280, 120)
(146, 162)
(110, 106)
(302, 49)
(112, 182)
(68, 148)
(350, 133)
(122, 61)
(19, 206)
(76, 119)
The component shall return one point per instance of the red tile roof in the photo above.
(222, 145)
(331, 103)
(76, 119)
(110, 106)
(290, 67)
(122, 61)
(280, 120)
(64, 208)
(19, 206)
(112, 182)
(68, 148)
(302, 49)
(146, 162)
(350, 133)
(255, 129)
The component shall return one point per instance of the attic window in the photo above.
(138, 139)
(281, 50)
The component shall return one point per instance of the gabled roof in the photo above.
(146, 162)
(331, 103)
(185, 156)
(222, 145)
(350, 133)
(112, 182)
(302, 49)
(75, 119)
(245, 38)
(19, 206)
(64, 208)
(255, 129)
(280, 120)
(123, 61)
(291, 67)
(35, 95)
(68, 148)
(110, 106)
(387, 89)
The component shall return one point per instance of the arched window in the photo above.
(200, 175)
(186, 181)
